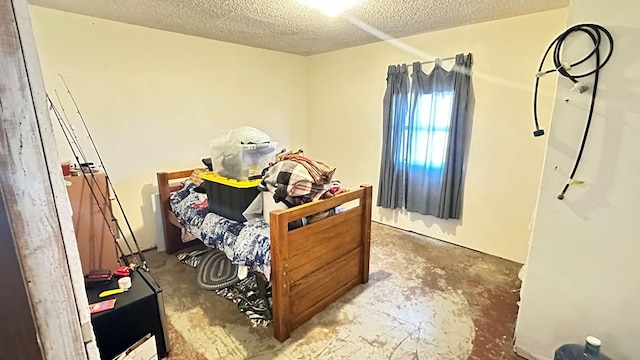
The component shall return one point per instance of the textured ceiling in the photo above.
(288, 26)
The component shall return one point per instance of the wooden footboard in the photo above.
(314, 265)
(311, 266)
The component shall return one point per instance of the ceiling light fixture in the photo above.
(330, 7)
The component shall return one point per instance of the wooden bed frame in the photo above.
(311, 266)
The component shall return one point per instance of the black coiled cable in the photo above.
(595, 33)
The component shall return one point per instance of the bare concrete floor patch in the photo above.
(425, 300)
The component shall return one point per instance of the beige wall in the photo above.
(344, 112)
(582, 271)
(153, 99)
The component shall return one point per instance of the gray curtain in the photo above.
(391, 193)
(424, 151)
(434, 187)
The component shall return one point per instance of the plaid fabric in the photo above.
(291, 181)
(319, 171)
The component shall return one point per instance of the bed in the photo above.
(311, 266)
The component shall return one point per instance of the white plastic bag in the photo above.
(237, 136)
(247, 135)
(241, 153)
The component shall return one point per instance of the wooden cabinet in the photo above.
(95, 240)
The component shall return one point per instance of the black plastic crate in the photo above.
(228, 197)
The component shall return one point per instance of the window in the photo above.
(426, 119)
(428, 137)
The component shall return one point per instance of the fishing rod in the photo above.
(104, 168)
(68, 129)
(121, 260)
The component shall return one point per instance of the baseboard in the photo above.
(528, 355)
(157, 215)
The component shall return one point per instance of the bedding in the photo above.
(300, 259)
(244, 244)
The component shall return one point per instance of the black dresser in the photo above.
(138, 312)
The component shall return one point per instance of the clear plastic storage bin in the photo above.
(242, 161)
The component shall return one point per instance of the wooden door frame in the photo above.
(19, 341)
(34, 197)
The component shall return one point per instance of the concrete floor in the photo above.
(426, 299)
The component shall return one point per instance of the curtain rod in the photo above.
(443, 59)
(431, 61)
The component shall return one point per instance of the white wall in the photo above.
(153, 99)
(344, 111)
(582, 275)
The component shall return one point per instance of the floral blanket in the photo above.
(244, 243)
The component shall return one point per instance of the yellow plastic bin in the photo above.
(229, 197)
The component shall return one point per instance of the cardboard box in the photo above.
(144, 349)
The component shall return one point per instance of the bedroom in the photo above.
(208, 87)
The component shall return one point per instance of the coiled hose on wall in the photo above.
(596, 33)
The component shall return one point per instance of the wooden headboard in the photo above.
(172, 236)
